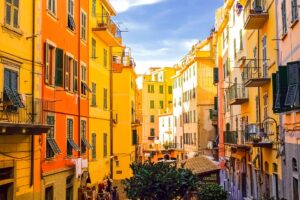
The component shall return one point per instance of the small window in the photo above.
(84, 143)
(71, 22)
(51, 145)
(151, 104)
(294, 6)
(170, 90)
(161, 89)
(83, 26)
(52, 6)
(152, 132)
(70, 140)
(152, 118)
(294, 165)
(104, 144)
(83, 80)
(105, 99)
(134, 137)
(49, 63)
(94, 99)
(49, 193)
(94, 56)
(105, 57)
(161, 104)
(12, 13)
(283, 17)
(94, 143)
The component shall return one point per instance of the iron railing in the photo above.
(105, 22)
(237, 92)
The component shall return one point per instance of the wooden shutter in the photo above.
(216, 75)
(66, 72)
(293, 75)
(46, 62)
(75, 76)
(59, 60)
(134, 137)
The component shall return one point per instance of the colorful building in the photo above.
(193, 99)
(104, 34)
(286, 93)
(65, 148)
(21, 105)
(249, 136)
(126, 124)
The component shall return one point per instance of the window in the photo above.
(51, 145)
(83, 25)
(161, 89)
(283, 17)
(49, 63)
(264, 52)
(52, 6)
(265, 106)
(94, 99)
(105, 57)
(152, 132)
(151, 104)
(134, 137)
(70, 141)
(292, 97)
(94, 8)
(105, 99)
(161, 104)
(94, 143)
(94, 48)
(12, 13)
(75, 76)
(83, 80)
(104, 144)
(49, 193)
(255, 58)
(152, 118)
(294, 7)
(71, 22)
(69, 188)
(294, 165)
(84, 143)
(69, 73)
(170, 89)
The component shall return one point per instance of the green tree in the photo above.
(212, 192)
(160, 181)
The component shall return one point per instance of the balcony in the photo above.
(238, 95)
(213, 116)
(16, 114)
(252, 75)
(255, 14)
(107, 30)
(230, 137)
(257, 138)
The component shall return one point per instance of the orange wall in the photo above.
(66, 104)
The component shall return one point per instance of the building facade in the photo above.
(21, 105)
(65, 148)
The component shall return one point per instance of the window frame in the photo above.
(53, 9)
(13, 7)
(105, 150)
(83, 25)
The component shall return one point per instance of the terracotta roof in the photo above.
(199, 165)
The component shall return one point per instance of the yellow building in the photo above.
(125, 135)
(157, 95)
(103, 35)
(246, 61)
(21, 105)
(193, 97)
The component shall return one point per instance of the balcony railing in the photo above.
(255, 14)
(238, 94)
(253, 75)
(230, 137)
(107, 30)
(258, 138)
(16, 115)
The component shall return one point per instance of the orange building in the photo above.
(65, 79)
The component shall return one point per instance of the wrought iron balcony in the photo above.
(238, 95)
(16, 115)
(253, 76)
(255, 14)
(258, 138)
(213, 116)
(107, 30)
(230, 137)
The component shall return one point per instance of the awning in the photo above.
(73, 145)
(53, 145)
(86, 143)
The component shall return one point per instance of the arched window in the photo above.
(294, 165)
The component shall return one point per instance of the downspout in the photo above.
(111, 113)
(32, 92)
(78, 83)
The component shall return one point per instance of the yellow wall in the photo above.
(15, 54)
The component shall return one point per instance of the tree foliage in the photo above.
(212, 192)
(160, 181)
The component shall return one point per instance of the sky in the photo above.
(161, 32)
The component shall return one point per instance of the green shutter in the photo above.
(59, 60)
(293, 74)
(134, 137)
(275, 93)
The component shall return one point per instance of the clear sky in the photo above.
(161, 32)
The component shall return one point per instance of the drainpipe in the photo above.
(32, 92)
(111, 113)
(79, 84)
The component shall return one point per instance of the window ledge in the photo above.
(17, 31)
(70, 30)
(293, 23)
(52, 15)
